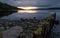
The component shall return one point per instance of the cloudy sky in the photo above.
(32, 2)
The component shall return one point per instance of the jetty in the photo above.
(32, 28)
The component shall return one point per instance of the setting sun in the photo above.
(28, 8)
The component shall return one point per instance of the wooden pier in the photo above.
(33, 28)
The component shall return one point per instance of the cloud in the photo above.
(32, 2)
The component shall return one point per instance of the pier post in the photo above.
(1, 34)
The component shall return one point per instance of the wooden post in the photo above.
(1, 35)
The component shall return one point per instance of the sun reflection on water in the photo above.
(27, 11)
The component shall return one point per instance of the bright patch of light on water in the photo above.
(27, 11)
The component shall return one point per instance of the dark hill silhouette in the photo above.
(50, 8)
(54, 8)
(6, 7)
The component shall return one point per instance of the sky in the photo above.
(46, 3)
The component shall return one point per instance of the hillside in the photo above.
(4, 6)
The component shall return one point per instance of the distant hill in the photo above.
(4, 6)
